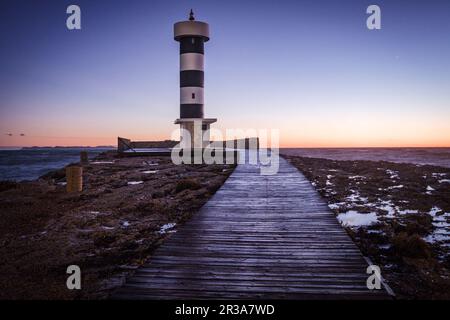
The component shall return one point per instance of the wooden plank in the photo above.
(257, 237)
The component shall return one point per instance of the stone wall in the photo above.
(126, 144)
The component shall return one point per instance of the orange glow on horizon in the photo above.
(352, 131)
(284, 143)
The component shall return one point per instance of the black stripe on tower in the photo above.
(192, 44)
(191, 111)
(192, 78)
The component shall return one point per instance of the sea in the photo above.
(19, 164)
(422, 156)
(31, 163)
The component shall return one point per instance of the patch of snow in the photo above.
(150, 171)
(355, 219)
(374, 232)
(406, 211)
(132, 183)
(62, 183)
(357, 177)
(429, 190)
(328, 183)
(166, 227)
(392, 174)
(390, 211)
(336, 205)
(444, 181)
(387, 205)
(329, 176)
(393, 210)
(438, 175)
(107, 228)
(102, 162)
(395, 187)
(125, 224)
(355, 196)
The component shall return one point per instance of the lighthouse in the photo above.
(192, 36)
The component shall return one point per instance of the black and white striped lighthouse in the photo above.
(192, 36)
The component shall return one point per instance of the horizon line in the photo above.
(281, 147)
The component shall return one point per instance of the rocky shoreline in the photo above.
(127, 208)
(397, 213)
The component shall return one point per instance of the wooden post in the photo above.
(84, 157)
(74, 178)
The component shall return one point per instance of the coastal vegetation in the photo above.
(127, 208)
(397, 213)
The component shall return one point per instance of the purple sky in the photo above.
(308, 68)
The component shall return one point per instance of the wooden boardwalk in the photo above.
(257, 237)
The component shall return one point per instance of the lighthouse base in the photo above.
(194, 132)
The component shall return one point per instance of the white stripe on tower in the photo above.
(191, 61)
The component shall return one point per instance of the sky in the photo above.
(308, 68)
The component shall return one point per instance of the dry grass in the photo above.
(108, 230)
(414, 268)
